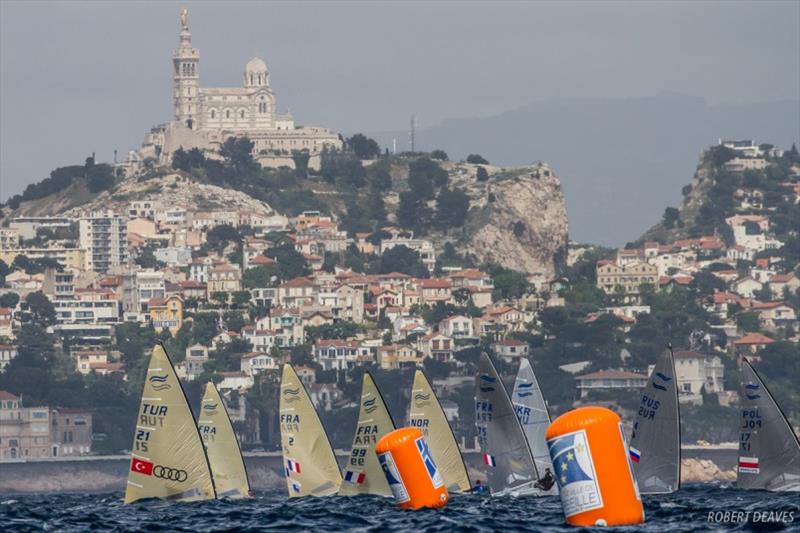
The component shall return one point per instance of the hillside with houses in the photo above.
(389, 263)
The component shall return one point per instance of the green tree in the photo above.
(441, 155)
(301, 158)
(509, 284)
(259, 277)
(451, 208)
(670, 217)
(402, 259)
(238, 153)
(363, 146)
(424, 176)
(291, 264)
(9, 299)
(476, 159)
(481, 174)
(40, 308)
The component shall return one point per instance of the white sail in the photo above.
(222, 447)
(427, 415)
(655, 445)
(769, 452)
(308, 458)
(168, 460)
(532, 413)
(510, 468)
(363, 473)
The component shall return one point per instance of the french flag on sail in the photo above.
(635, 454)
(356, 478)
(292, 466)
(748, 465)
(488, 460)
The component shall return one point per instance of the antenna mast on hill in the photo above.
(413, 133)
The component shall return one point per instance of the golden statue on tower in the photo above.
(184, 17)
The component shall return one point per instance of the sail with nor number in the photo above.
(655, 444)
(427, 415)
(168, 460)
(308, 458)
(769, 452)
(510, 468)
(222, 447)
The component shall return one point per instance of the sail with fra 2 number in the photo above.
(363, 473)
(168, 459)
(308, 459)
(426, 414)
(222, 447)
(510, 468)
(533, 416)
(655, 444)
(769, 451)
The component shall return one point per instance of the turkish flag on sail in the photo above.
(142, 467)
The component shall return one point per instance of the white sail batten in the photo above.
(308, 458)
(168, 460)
(222, 447)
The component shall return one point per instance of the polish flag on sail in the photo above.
(141, 467)
(489, 460)
(292, 465)
(748, 465)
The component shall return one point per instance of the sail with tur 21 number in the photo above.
(655, 444)
(222, 448)
(168, 460)
(308, 458)
(363, 473)
(769, 452)
(426, 414)
(510, 468)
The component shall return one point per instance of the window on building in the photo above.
(227, 113)
(213, 113)
(241, 114)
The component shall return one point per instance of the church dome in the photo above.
(255, 65)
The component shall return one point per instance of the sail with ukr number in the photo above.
(222, 447)
(308, 459)
(363, 473)
(510, 468)
(168, 459)
(533, 416)
(427, 415)
(655, 444)
(769, 452)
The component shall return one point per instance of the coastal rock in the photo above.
(704, 470)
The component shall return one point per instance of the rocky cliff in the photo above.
(518, 217)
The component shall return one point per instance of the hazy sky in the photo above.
(77, 77)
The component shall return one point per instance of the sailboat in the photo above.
(533, 416)
(222, 447)
(427, 415)
(655, 444)
(769, 452)
(308, 458)
(363, 473)
(168, 459)
(510, 468)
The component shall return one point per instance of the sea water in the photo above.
(693, 508)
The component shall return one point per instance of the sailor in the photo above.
(546, 482)
(479, 488)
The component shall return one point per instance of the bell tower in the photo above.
(186, 63)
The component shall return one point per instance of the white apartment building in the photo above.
(104, 237)
(694, 371)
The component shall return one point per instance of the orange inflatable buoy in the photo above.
(412, 475)
(592, 468)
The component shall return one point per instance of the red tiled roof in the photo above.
(5, 395)
(753, 339)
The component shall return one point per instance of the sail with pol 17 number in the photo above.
(308, 458)
(655, 444)
(168, 460)
(426, 414)
(510, 468)
(769, 452)
(363, 473)
(222, 448)
(533, 416)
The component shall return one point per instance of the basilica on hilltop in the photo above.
(206, 117)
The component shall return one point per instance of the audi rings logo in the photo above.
(172, 474)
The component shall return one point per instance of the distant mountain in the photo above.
(621, 161)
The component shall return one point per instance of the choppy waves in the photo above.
(271, 511)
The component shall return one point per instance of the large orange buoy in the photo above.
(412, 475)
(592, 468)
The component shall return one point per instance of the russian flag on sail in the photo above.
(635, 454)
(356, 478)
(489, 460)
(292, 466)
(748, 465)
